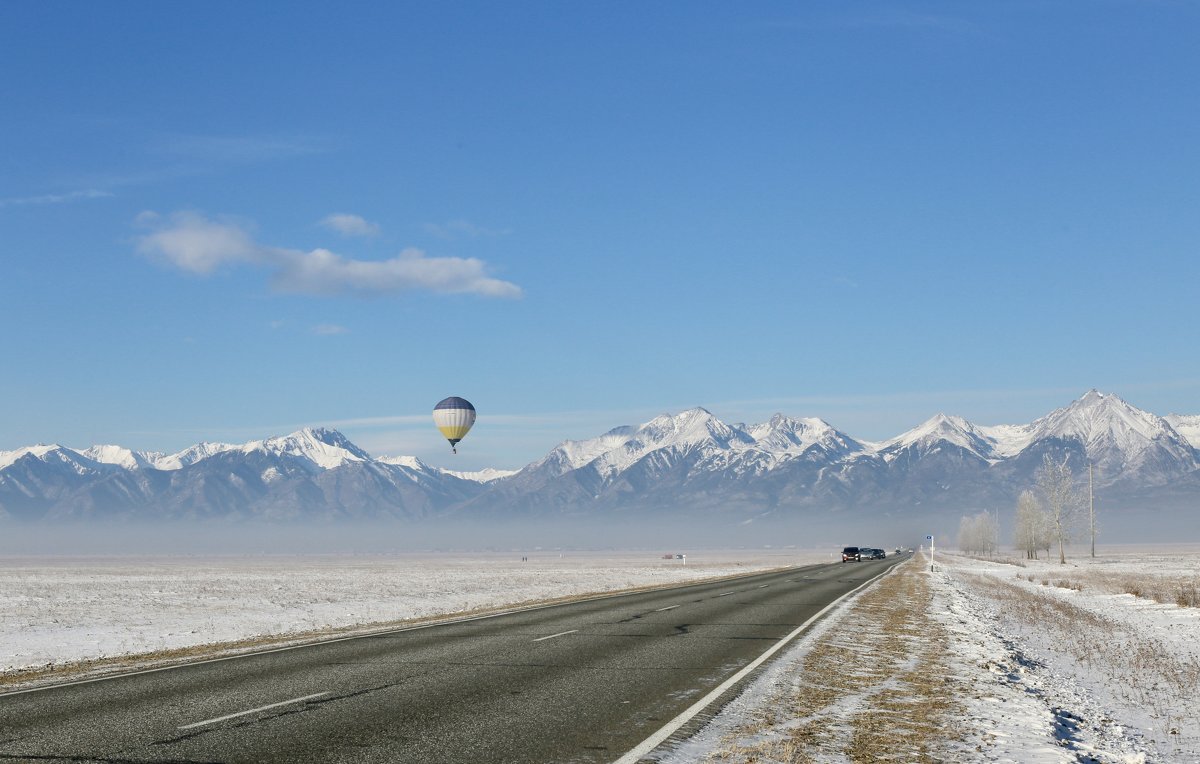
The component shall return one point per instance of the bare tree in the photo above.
(1057, 486)
(978, 534)
(1031, 531)
(966, 540)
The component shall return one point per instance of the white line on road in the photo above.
(764, 586)
(671, 607)
(559, 634)
(726, 594)
(251, 711)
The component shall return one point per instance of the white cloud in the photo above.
(194, 243)
(350, 225)
(327, 330)
(197, 244)
(70, 196)
(321, 272)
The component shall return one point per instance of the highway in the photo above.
(589, 681)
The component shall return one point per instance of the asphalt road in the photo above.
(582, 682)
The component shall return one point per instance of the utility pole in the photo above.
(1091, 509)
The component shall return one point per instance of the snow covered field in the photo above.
(61, 610)
(975, 662)
(1122, 672)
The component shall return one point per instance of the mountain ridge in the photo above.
(691, 460)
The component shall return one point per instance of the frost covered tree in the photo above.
(966, 541)
(978, 534)
(1061, 500)
(1032, 532)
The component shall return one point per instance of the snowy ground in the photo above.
(980, 660)
(1121, 672)
(56, 611)
(972, 663)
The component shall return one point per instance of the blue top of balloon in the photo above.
(454, 402)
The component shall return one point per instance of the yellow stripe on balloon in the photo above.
(454, 433)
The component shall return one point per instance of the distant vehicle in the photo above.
(851, 554)
(871, 553)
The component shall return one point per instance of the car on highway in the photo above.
(851, 554)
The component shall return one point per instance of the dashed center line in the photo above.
(671, 607)
(252, 711)
(726, 594)
(559, 634)
(764, 586)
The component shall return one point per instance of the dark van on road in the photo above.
(851, 554)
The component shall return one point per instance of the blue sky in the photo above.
(219, 221)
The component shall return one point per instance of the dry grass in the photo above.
(1139, 668)
(878, 689)
(1002, 560)
(1187, 594)
(1168, 590)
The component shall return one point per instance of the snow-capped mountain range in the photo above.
(689, 461)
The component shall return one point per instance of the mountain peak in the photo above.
(1094, 397)
(785, 435)
(695, 425)
(944, 428)
(410, 462)
(122, 457)
(327, 436)
(1095, 412)
(39, 451)
(1113, 432)
(323, 447)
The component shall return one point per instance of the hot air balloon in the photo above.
(454, 417)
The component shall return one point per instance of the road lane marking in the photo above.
(726, 594)
(661, 609)
(655, 740)
(764, 586)
(559, 634)
(252, 711)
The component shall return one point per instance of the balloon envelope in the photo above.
(454, 417)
